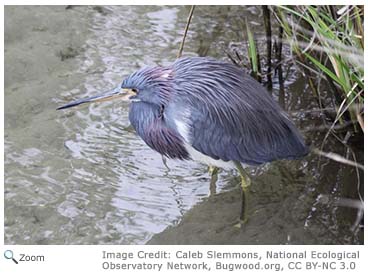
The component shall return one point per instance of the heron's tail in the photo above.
(296, 146)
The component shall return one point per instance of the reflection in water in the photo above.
(91, 179)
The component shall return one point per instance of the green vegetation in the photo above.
(252, 51)
(327, 43)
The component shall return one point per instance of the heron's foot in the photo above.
(240, 223)
(214, 177)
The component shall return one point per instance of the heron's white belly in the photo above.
(198, 156)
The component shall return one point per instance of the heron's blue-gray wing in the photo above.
(252, 146)
(232, 116)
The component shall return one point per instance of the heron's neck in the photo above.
(142, 115)
(152, 128)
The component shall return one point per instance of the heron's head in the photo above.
(150, 85)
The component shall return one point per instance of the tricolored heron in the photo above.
(207, 110)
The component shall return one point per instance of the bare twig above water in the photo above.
(338, 158)
(324, 128)
(279, 68)
(315, 110)
(267, 22)
(186, 31)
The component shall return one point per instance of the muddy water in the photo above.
(83, 176)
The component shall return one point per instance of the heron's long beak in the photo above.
(115, 93)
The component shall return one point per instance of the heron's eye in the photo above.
(134, 90)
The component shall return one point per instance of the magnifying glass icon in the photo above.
(8, 254)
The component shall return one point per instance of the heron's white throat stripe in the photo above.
(183, 126)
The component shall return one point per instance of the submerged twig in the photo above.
(186, 31)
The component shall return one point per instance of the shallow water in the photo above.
(83, 176)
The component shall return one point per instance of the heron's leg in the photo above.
(245, 184)
(214, 176)
(164, 161)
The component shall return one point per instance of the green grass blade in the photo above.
(252, 50)
(327, 71)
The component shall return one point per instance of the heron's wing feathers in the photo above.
(232, 116)
(252, 146)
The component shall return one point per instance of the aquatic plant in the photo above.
(327, 42)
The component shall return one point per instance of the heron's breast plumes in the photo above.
(150, 125)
